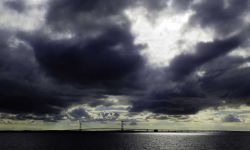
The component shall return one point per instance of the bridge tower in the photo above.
(122, 125)
(80, 125)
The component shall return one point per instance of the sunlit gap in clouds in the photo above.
(166, 34)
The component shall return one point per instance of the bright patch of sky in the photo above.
(166, 35)
(28, 20)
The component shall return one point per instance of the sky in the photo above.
(155, 64)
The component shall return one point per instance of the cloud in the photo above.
(21, 90)
(84, 15)
(26, 89)
(133, 123)
(174, 106)
(106, 58)
(231, 118)
(107, 116)
(78, 114)
(19, 97)
(224, 17)
(19, 6)
(181, 5)
(90, 15)
(226, 79)
(185, 64)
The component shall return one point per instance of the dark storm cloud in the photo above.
(19, 97)
(91, 15)
(18, 5)
(225, 82)
(174, 106)
(185, 64)
(25, 89)
(228, 80)
(224, 17)
(105, 59)
(174, 98)
(96, 102)
(181, 5)
(86, 15)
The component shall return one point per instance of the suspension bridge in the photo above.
(122, 127)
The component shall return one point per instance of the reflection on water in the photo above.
(181, 133)
(124, 141)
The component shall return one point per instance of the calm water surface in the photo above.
(125, 141)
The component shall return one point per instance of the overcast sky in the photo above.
(167, 64)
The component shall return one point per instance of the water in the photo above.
(124, 141)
